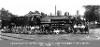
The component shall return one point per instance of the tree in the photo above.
(92, 13)
(5, 14)
(43, 15)
(36, 12)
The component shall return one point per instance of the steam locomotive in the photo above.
(50, 25)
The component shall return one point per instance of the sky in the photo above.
(22, 7)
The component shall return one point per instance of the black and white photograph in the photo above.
(49, 23)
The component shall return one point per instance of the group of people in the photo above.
(21, 29)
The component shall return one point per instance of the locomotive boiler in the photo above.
(63, 25)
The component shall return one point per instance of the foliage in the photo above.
(5, 14)
(92, 13)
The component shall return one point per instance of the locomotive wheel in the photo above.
(69, 30)
(80, 31)
(85, 31)
(76, 31)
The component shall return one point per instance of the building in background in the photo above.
(66, 14)
(59, 13)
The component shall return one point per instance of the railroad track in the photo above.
(6, 37)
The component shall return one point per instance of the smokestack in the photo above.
(77, 13)
(55, 10)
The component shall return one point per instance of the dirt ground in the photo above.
(69, 40)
